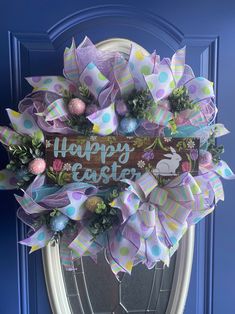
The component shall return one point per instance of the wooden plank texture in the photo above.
(104, 160)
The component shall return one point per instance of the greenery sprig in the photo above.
(60, 178)
(21, 155)
(179, 100)
(105, 216)
(139, 103)
(85, 94)
(215, 150)
(81, 124)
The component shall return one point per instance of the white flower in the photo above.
(67, 167)
(129, 137)
(48, 143)
(167, 139)
(93, 138)
(190, 143)
(141, 164)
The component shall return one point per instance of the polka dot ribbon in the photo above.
(170, 74)
(74, 210)
(38, 239)
(104, 121)
(24, 123)
(55, 84)
(141, 64)
(204, 133)
(224, 170)
(93, 79)
(154, 220)
(123, 75)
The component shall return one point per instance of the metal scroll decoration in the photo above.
(118, 154)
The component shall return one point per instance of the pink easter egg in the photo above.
(76, 106)
(205, 159)
(37, 166)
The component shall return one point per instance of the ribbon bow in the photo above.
(39, 200)
(154, 220)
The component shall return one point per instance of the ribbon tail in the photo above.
(38, 239)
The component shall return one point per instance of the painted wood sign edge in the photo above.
(106, 160)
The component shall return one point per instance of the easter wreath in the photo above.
(103, 94)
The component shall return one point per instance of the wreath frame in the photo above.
(221, 131)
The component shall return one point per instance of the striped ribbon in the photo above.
(198, 119)
(161, 116)
(123, 75)
(29, 205)
(56, 110)
(71, 69)
(177, 64)
(82, 242)
(9, 137)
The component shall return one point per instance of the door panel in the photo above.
(36, 44)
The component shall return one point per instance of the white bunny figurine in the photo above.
(167, 167)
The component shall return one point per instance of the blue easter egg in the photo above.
(58, 222)
(128, 125)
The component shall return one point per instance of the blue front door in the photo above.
(33, 37)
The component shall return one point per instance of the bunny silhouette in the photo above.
(168, 167)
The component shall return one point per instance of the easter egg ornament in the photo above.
(121, 108)
(128, 125)
(205, 158)
(37, 166)
(92, 203)
(58, 222)
(76, 106)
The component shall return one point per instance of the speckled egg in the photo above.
(128, 125)
(92, 202)
(37, 166)
(76, 106)
(205, 158)
(121, 107)
(58, 222)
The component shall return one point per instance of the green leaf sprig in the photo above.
(179, 100)
(215, 150)
(105, 215)
(21, 155)
(139, 103)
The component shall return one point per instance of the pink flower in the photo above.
(186, 167)
(57, 165)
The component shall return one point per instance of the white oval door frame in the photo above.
(51, 257)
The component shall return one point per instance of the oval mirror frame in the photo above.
(51, 257)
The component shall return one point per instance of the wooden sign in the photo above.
(104, 160)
